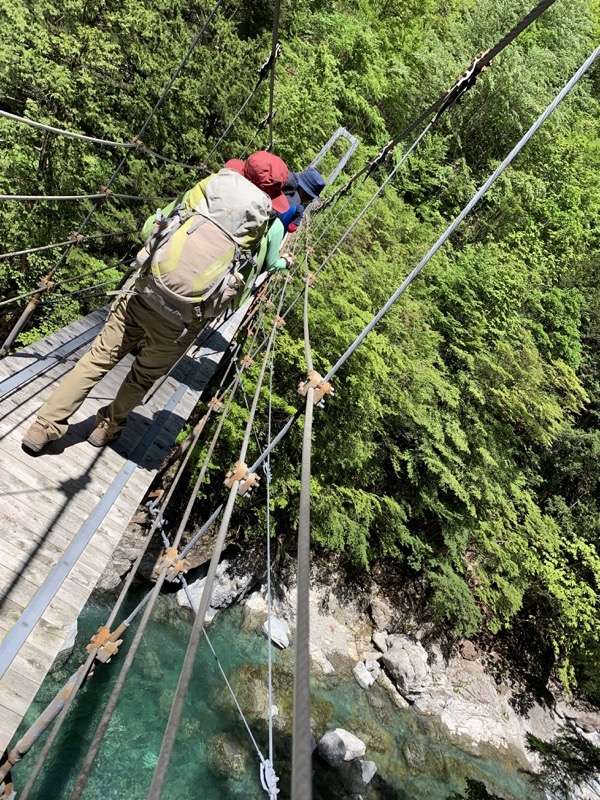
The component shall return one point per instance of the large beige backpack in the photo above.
(191, 262)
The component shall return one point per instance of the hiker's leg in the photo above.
(117, 338)
(162, 346)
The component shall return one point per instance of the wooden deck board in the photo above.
(46, 499)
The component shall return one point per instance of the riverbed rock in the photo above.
(382, 613)
(406, 661)
(227, 587)
(280, 632)
(380, 641)
(340, 745)
(357, 775)
(320, 660)
(228, 758)
(468, 650)
(363, 676)
(388, 684)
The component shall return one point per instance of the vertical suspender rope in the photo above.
(301, 740)
(274, 46)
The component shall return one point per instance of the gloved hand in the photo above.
(289, 259)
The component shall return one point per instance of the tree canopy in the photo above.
(462, 444)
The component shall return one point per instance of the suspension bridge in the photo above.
(65, 511)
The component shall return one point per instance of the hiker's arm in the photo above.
(273, 262)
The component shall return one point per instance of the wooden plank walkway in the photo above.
(47, 499)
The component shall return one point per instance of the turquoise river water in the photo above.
(214, 757)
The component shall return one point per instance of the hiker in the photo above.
(301, 189)
(190, 271)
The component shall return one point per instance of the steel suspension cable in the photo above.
(301, 738)
(274, 48)
(96, 196)
(445, 100)
(286, 428)
(132, 145)
(268, 478)
(466, 210)
(15, 253)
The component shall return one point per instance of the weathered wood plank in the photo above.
(45, 499)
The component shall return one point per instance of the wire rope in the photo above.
(274, 48)
(445, 100)
(15, 253)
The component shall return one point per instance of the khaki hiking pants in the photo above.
(130, 323)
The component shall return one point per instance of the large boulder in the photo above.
(280, 632)
(406, 661)
(227, 587)
(357, 775)
(339, 745)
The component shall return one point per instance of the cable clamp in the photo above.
(136, 142)
(268, 778)
(105, 191)
(266, 67)
(312, 279)
(381, 156)
(215, 404)
(464, 82)
(316, 382)
(246, 362)
(45, 284)
(269, 303)
(172, 562)
(278, 321)
(101, 642)
(247, 480)
(265, 121)
(76, 237)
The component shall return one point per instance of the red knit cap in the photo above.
(269, 173)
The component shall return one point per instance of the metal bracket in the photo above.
(247, 480)
(246, 362)
(105, 191)
(171, 561)
(215, 404)
(103, 644)
(278, 321)
(76, 237)
(316, 382)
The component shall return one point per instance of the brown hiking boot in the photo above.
(37, 437)
(103, 433)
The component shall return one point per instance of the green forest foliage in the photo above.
(462, 444)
